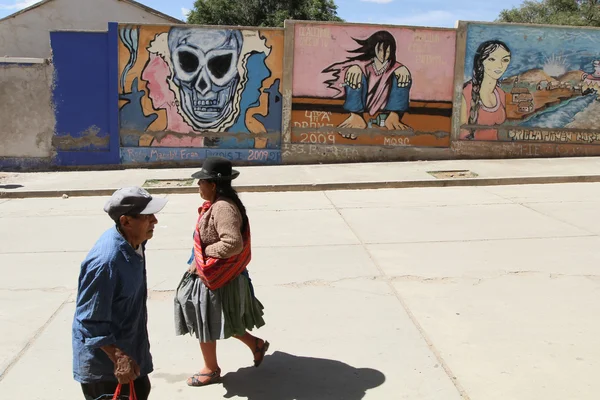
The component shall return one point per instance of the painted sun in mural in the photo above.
(555, 65)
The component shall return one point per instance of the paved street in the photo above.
(482, 293)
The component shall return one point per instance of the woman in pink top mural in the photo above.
(483, 102)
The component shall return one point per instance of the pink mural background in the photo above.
(428, 54)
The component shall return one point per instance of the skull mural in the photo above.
(205, 66)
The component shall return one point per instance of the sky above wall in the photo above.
(434, 13)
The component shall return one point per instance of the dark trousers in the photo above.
(92, 391)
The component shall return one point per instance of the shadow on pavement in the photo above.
(10, 186)
(284, 376)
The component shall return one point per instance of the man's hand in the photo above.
(126, 369)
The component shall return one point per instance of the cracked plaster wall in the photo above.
(27, 112)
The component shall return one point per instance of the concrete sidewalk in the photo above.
(463, 293)
(309, 177)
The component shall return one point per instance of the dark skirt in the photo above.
(216, 314)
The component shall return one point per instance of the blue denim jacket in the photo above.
(110, 309)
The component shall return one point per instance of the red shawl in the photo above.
(217, 272)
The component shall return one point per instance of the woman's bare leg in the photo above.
(209, 353)
(254, 344)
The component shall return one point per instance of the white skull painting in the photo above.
(205, 67)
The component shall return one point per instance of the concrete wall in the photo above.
(526, 91)
(395, 105)
(166, 95)
(188, 92)
(26, 111)
(27, 34)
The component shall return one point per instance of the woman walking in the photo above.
(215, 298)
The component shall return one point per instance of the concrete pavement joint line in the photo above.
(478, 240)
(411, 278)
(503, 274)
(525, 205)
(408, 205)
(395, 278)
(15, 214)
(46, 252)
(43, 290)
(419, 241)
(341, 244)
(37, 334)
(550, 275)
(486, 190)
(330, 284)
(323, 282)
(441, 279)
(158, 284)
(516, 201)
(557, 219)
(461, 390)
(307, 187)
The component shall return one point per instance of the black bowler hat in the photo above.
(216, 168)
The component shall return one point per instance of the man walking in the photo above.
(110, 335)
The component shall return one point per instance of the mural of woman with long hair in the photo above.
(483, 101)
(373, 81)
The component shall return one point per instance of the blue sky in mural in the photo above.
(554, 50)
(438, 13)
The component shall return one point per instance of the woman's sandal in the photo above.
(214, 376)
(258, 350)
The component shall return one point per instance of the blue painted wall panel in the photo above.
(83, 62)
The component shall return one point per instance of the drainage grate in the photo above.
(168, 182)
(452, 174)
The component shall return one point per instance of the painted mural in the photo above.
(524, 83)
(188, 91)
(370, 85)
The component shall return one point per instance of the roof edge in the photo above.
(151, 11)
(31, 7)
(131, 2)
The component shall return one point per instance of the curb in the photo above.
(307, 187)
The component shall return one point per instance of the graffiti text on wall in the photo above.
(136, 155)
(553, 136)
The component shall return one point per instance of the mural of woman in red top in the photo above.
(373, 81)
(483, 101)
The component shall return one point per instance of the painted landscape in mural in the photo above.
(191, 87)
(531, 84)
(358, 84)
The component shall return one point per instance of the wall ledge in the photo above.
(23, 60)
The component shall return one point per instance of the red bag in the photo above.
(132, 396)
